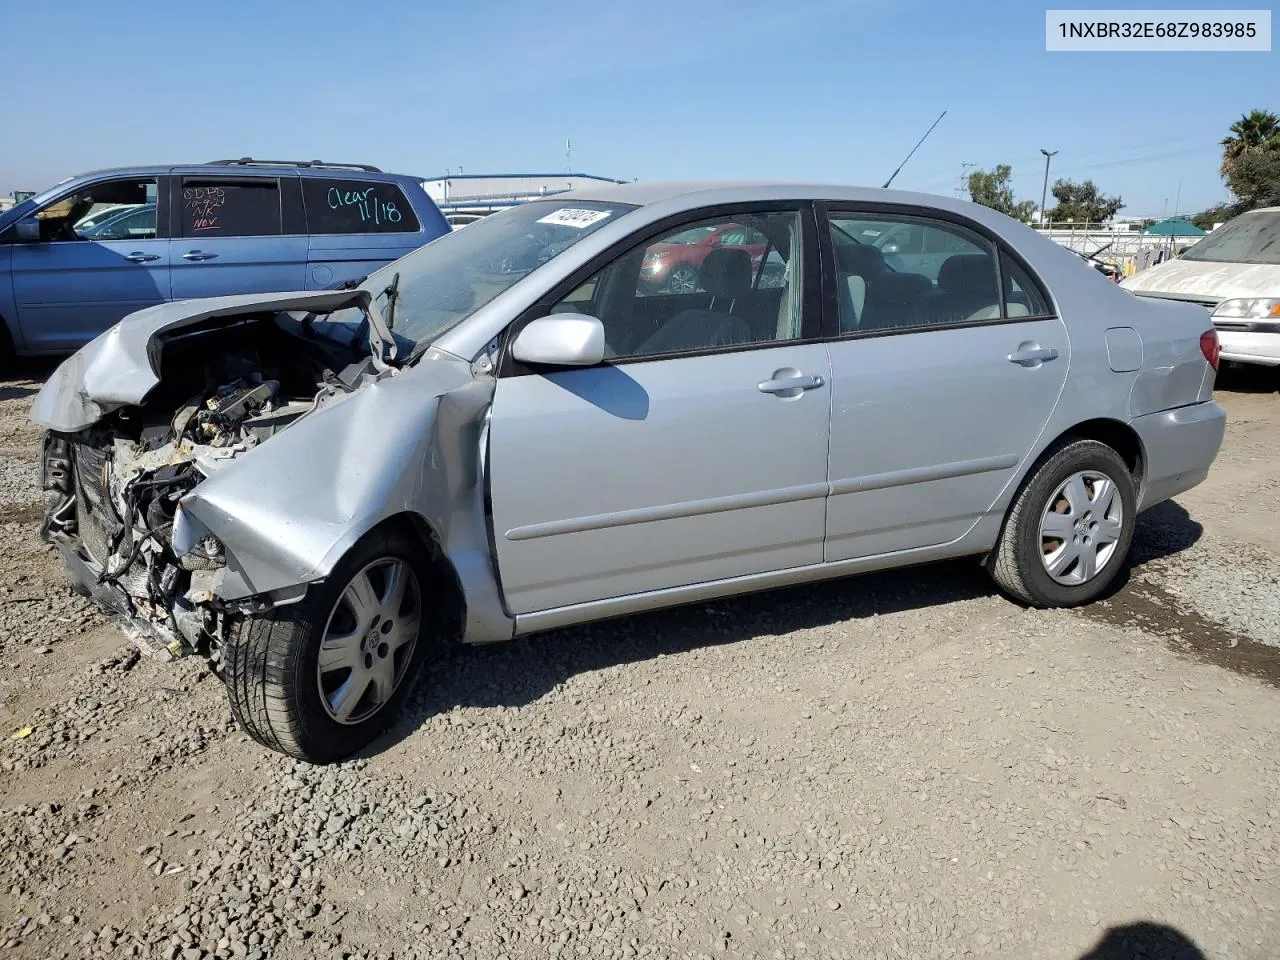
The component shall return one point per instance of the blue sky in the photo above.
(796, 89)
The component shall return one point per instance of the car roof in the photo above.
(689, 194)
(236, 169)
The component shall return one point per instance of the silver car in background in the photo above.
(507, 431)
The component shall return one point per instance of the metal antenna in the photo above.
(914, 149)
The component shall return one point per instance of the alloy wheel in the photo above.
(1081, 527)
(368, 640)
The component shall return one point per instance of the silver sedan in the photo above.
(516, 428)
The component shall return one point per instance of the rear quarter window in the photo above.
(356, 206)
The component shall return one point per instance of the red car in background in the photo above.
(673, 266)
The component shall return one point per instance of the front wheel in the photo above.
(1067, 534)
(321, 678)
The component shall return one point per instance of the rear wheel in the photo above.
(1067, 534)
(322, 678)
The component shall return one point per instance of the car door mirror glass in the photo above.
(28, 230)
(562, 340)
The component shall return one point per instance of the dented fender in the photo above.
(288, 510)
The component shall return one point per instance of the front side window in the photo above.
(344, 205)
(949, 277)
(1249, 238)
(230, 207)
(83, 214)
(668, 297)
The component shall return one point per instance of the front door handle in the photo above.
(198, 255)
(789, 385)
(1032, 355)
(142, 257)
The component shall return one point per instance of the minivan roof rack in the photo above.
(251, 162)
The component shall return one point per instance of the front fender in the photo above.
(286, 511)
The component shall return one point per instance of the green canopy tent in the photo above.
(1174, 227)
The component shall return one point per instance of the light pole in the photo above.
(1044, 193)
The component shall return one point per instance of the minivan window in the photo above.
(230, 207)
(1249, 238)
(74, 216)
(356, 206)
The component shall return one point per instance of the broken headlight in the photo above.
(195, 547)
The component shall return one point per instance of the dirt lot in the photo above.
(902, 765)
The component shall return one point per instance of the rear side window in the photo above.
(356, 206)
(1022, 298)
(230, 208)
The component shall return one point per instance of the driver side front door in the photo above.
(71, 286)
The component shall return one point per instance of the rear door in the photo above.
(78, 280)
(357, 225)
(237, 234)
(936, 399)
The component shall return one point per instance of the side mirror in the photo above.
(561, 340)
(28, 230)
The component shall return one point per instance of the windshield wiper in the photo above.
(392, 293)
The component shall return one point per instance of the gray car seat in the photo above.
(966, 291)
(726, 275)
(857, 267)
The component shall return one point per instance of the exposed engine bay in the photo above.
(112, 490)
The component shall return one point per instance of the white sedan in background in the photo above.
(1235, 272)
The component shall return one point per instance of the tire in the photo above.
(1096, 526)
(7, 354)
(682, 279)
(284, 699)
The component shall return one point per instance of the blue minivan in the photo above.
(82, 255)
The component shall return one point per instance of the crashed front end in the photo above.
(114, 485)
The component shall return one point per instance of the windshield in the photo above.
(446, 281)
(1249, 238)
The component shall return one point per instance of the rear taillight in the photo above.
(1209, 347)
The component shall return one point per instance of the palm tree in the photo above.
(1256, 129)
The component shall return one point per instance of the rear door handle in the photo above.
(789, 384)
(1032, 356)
(198, 255)
(142, 257)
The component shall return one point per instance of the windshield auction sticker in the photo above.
(570, 217)
(1154, 31)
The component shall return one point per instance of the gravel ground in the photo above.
(900, 765)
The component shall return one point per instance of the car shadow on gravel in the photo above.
(520, 672)
(25, 376)
(524, 670)
(1144, 941)
(1248, 378)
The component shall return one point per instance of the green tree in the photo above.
(1255, 178)
(992, 188)
(1082, 203)
(1256, 130)
(1219, 213)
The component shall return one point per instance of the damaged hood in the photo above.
(1206, 280)
(121, 366)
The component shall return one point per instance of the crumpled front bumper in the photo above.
(84, 578)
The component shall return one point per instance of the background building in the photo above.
(465, 198)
